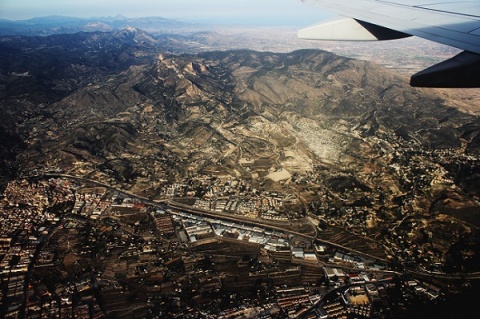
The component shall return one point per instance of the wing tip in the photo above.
(349, 29)
(461, 71)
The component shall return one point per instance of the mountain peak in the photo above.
(130, 29)
(136, 35)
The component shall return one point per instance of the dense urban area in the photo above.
(73, 249)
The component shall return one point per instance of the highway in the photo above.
(238, 219)
(257, 222)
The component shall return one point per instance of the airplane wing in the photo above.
(454, 23)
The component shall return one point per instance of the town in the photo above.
(73, 249)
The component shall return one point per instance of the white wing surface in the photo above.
(454, 23)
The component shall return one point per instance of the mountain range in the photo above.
(50, 25)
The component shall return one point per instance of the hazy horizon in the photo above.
(246, 12)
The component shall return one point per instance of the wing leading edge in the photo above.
(454, 23)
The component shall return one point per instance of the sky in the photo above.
(257, 12)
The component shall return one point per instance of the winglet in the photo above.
(349, 29)
(461, 71)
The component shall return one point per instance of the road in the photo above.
(175, 205)
(258, 222)
(238, 219)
